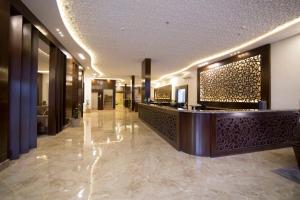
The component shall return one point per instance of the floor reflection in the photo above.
(115, 156)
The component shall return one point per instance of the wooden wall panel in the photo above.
(132, 93)
(4, 63)
(69, 90)
(146, 79)
(75, 87)
(39, 89)
(25, 89)
(15, 42)
(56, 90)
(33, 90)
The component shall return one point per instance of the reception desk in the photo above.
(221, 132)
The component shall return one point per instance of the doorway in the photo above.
(108, 99)
(95, 100)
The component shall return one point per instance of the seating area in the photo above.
(42, 120)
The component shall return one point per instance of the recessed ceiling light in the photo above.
(57, 30)
(81, 56)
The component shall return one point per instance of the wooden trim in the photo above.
(33, 90)
(264, 51)
(15, 51)
(25, 89)
(56, 90)
(4, 78)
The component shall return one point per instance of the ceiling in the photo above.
(173, 33)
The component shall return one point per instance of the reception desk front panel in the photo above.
(217, 133)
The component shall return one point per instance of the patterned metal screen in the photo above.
(238, 81)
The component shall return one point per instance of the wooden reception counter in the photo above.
(221, 132)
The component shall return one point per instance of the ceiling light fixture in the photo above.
(203, 64)
(81, 56)
(67, 54)
(235, 49)
(67, 22)
(43, 71)
(42, 30)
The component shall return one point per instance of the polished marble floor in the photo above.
(115, 156)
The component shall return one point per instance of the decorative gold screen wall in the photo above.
(238, 81)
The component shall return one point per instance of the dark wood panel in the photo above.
(69, 90)
(15, 42)
(252, 131)
(4, 85)
(146, 79)
(25, 89)
(56, 90)
(39, 89)
(33, 90)
(195, 133)
(75, 87)
(132, 92)
(164, 121)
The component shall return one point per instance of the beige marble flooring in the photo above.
(115, 156)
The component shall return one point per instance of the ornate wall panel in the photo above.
(163, 94)
(163, 121)
(257, 130)
(238, 81)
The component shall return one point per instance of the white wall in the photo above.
(285, 74)
(190, 80)
(87, 92)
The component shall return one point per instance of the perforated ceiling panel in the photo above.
(174, 33)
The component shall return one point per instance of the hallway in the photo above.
(115, 156)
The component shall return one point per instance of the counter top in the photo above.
(216, 111)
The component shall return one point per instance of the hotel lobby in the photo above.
(136, 99)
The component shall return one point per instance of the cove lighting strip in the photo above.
(234, 49)
(66, 20)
